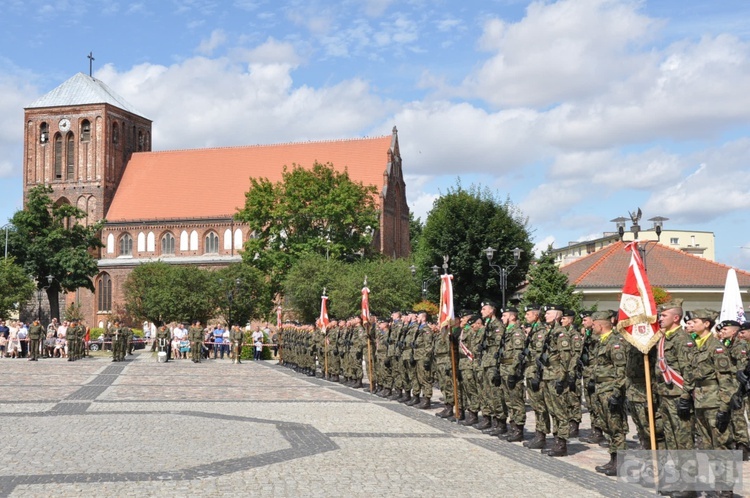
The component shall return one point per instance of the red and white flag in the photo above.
(323, 320)
(446, 300)
(278, 317)
(638, 317)
(365, 303)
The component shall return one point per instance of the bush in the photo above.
(96, 332)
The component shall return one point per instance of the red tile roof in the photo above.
(666, 268)
(206, 183)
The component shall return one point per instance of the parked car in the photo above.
(98, 344)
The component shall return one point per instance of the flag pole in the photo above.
(369, 345)
(651, 423)
(325, 339)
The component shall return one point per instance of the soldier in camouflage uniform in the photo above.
(533, 376)
(635, 393)
(195, 336)
(573, 394)
(114, 334)
(675, 402)
(443, 368)
(609, 374)
(468, 349)
(407, 356)
(557, 366)
(395, 351)
(590, 342)
(36, 335)
(713, 378)
(494, 410)
(729, 335)
(383, 374)
(236, 340)
(126, 338)
(423, 356)
(79, 332)
(511, 371)
(359, 350)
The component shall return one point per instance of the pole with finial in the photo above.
(91, 63)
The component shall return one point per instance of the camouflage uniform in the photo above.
(555, 386)
(533, 377)
(511, 371)
(443, 369)
(492, 400)
(678, 433)
(423, 356)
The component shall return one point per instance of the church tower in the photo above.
(78, 139)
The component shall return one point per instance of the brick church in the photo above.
(94, 150)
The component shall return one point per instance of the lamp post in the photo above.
(503, 272)
(230, 298)
(6, 227)
(435, 275)
(39, 290)
(635, 229)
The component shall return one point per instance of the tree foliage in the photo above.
(47, 240)
(164, 293)
(548, 285)
(461, 224)
(15, 287)
(390, 283)
(317, 210)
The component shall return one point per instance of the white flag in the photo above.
(731, 304)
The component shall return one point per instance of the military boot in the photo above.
(745, 450)
(573, 428)
(596, 436)
(357, 384)
(452, 416)
(538, 443)
(560, 448)
(502, 428)
(470, 418)
(492, 426)
(425, 404)
(602, 469)
(413, 401)
(405, 397)
(515, 434)
(446, 412)
(483, 423)
(396, 395)
(385, 393)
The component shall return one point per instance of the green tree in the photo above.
(461, 225)
(15, 287)
(163, 293)
(415, 232)
(316, 210)
(248, 289)
(47, 241)
(548, 285)
(303, 285)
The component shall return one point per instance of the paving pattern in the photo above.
(141, 428)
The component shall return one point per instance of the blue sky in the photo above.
(579, 111)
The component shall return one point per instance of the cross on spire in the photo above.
(91, 62)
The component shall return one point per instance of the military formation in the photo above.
(490, 365)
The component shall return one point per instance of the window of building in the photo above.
(44, 133)
(141, 141)
(85, 130)
(115, 133)
(69, 150)
(105, 293)
(167, 243)
(675, 241)
(212, 243)
(126, 245)
(58, 156)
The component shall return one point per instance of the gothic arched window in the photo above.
(70, 156)
(58, 156)
(167, 243)
(126, 245)
(85, 130)
(212, 243)
(104, 289)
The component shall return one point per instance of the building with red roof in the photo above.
(94, 150)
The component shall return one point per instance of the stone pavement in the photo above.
(140, 428)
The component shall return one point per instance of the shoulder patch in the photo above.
(689, 344)
(719, 350)
(540, 336)
(616, 346)
(562, 334)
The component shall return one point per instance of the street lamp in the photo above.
(501, 271)
(39, 290)
(6, 227)
(230, 297)
(435, 275)
(635, 229)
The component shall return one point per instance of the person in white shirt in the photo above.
(257, 338)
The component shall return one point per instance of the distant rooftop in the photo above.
(82, 89)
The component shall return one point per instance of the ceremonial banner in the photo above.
(323, 320)
(638, 318)
(731, 304)
(446, 300)
(365, 303)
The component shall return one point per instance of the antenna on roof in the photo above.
(91, 62)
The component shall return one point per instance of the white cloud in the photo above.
(543, 244)
(234, 104)
(559, 51)
(17, 93)
(207, 46)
